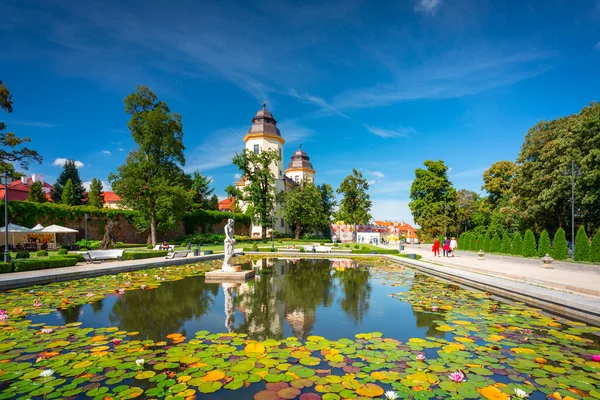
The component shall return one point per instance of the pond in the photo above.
(304, 328)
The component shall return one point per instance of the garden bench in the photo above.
(159, 247)
(317, 249)
(102, 255)
(178, 254)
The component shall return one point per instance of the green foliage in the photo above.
(96, 195)
(495, 244)
(213, 203)
(595, 248)
(201, 191)
(69, 172)
(529, 245)
(63, 252)
(375, 251)
(582, 245)
(406, 256)
(560, 250)
(42, 253)
(517, 244)
(485, 243)
(68, 194)
(5, 267)
(328, 203)
(433, 199)
(22, 254)
(137, 255)
(466, 201)
(254, 247)
(78, 257)
(303, 208)
(355, 206)
(506, 244)
(37, 263)
(36, 193)
(207, 218)
(356, 247)
(544, 244)
(497, 180)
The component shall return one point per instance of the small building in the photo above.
(19, 189)
(111, 200)
(227, 205)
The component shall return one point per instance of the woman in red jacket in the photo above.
(436, 247)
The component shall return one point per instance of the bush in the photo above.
(506, 244)
(36, 264)
(137, 255)
(495, 244)
(78, 257)
(254, 247)
(529, 245)
(42, 253)
(149, 246)
(517, 244)
(22, 254)
(595, 249)
(63, 252)
(356, 247)
(89, 244)
(302, 250)
(378, 251)
(406, 256)
(544, 244)
(364, 248)
(5, 267)
(121, 245)
(485, 244)
(560, 250)
(582, 245)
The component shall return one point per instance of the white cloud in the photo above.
(391, 209)
(237, 176)
(59, 162)
(217, 149)
(372, 182)
(377, 174)
(389, 133)
(121, 149)
(325, 107)
(106, 152)
(34, 124)
(105, 186)
(427, 6)
(294, 133)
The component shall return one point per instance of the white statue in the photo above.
(229, 242)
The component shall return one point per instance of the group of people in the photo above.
(448, 247)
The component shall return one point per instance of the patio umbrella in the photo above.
(57, 229)
(14, 228)
(38, 227)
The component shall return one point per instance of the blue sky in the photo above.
(380, 86)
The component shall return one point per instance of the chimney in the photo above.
(37, 178)
(24, 180)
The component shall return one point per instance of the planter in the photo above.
(547, 262)
(481, 255)
(207, 252)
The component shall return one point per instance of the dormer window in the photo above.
(256, 149)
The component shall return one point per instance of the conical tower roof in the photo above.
(264, 122)
(300, 160)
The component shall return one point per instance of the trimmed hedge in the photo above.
(367, 251)
(5, 267)
(22, 254)
(63, 252)
(42, 253)
(36, 264)
(544, 244)
(77, 256)
(560, 250)
(506, 244)
(595, 249)
(495, 244)
(406, 256)
(263, 249)
(138, 255)
(529, 245)
(517, 244)
(582, 245)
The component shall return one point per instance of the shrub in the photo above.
(495, 244)
(364, 248)
(149, 247)
(89, 244)
(544, 244)
(485, 244)
(595, 249)
(378, 251)
(137, 255)
(42, 253)
(560, 250)
(406, 256)
(356, 247)
(302, 250)
(506, 244)
(36, 264)
(63, 252)
(517, 244)
(5, 267)
(78, 257)
(254, 247)
(529, 245)
(22, 254)
(582, 245)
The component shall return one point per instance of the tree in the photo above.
(517, 244)
(152, 181)
(303, 208)
(595, 249)
(36, 193)
(582, 245)
(544, 244)
(213, 203)
(496, 244)
(529, 245)
(96, 195)
(560, 250)
(68, 194)
(12, 149)
(69, 172)
(485, 244)
(466, 201)
(259, 189)
(433, 199)
(497, 180)
(328, 203)
(355, 206)
(10, 169)
(506, 244)
(201, 191)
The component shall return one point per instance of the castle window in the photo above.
(256, 149)
(282, 223)
(280, 173)
(280, 154)
(297, 179)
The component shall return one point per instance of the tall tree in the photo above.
(152, 180)
(69, 172)
(201, 190)
(497, 180)
(213, 203)
(303, 208)
(12, 149)
(96, 195)
(36, 193)
(328, 201)
(68, 194)
(582, 245)
(466, 201)
(433, 199)
(259, 190)
(355, 206)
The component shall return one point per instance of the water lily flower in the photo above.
(3, 315)
(47, 373)
(127, 283)
(528, 330)
(391, 395)
(121, 291)
(143, 286)
(457, 376)
(521, 394)
(145, 274)
(421, 357)
(90, 295)
(596, 357)
(116, 341)
(37, 304)
(47, 330)
(139, 362)
(434, 308)
(60, 292)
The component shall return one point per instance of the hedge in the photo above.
(595, 249)
(375, 251)
(77, 256)
(517, 244)
(506, 244)
(5, 267)
(560, 250)
(406, 256)
(137, 255)
(36, 264)
(544, 244)
(495, 245)
(529, 245)
(265, 249)
(582, 245)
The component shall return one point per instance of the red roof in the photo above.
(110, 197)
(19, 190)
(227, 204)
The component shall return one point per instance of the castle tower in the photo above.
(300, 168)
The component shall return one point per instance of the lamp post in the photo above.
(6, 180)
(273, 233)
(572, 173)
(86, 216)
(445, 217)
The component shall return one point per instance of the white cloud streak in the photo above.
(427, 6)
(59, 162)
(389, 133)
(106, 152)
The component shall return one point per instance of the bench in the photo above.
(318, 249)
(177, 254)
(159, 247)
(92, 256)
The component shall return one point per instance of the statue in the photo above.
(229, 242)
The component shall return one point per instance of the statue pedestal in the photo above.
(231, 268)
(233, 273)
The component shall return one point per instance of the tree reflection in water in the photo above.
(426, 319)
(71, 314)
(356, 288)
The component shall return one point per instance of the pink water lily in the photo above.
(434, 308)
(457, 376)
(3, 315)
(127, 283)
(143, 286)
(120, 291)
(596, 357)
(421, 357)
(47, 330)
(116, 341)
(37, 304)
(90, 295)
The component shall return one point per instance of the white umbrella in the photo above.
(57, 229)
(14, 228)
(38, 227)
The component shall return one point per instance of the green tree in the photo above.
(201, 191)
(96, 195)
(517, 244)
(69, 172)
(485, 244)
(303, 208)
(12, 149)
(355, 206)
(496, 244)
(36, 193)
(68, 194)
(466, 202)
(433, 199)
(582, 245)
(151, 181)
(529, 245)
(259, 189)
(328, 203)
(506, 244)
(10, 169)
(560, 250)
(595, 248)
(544, 244)
(497, 180)
(213, 203)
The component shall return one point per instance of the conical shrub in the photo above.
(485, 244)
(495, 244)
(582, 245)
(595, 249)
(529, 245)
(506, 244)
(560, 250)
(544, 244)
(517, 244)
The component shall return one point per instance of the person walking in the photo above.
(436, 247)
(446, 247)
(453, 245)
